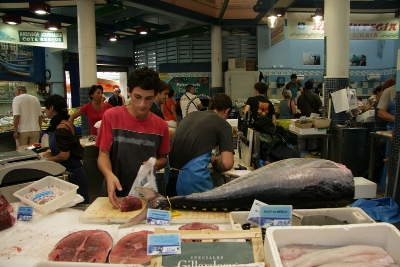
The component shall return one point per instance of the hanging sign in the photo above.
(34, 35)
(359, 30)
(201, 84)
(278, 33)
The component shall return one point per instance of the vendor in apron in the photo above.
(294, 86)
(194, 139)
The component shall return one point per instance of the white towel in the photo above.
(340, 101)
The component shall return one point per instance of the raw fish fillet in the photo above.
(131, 249)
(83, 246)
(6, 219)
(198, 226)
(4, 203)
(131, 203)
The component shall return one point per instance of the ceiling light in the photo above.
(113, 37)
(11, 19)
(141, 30)
(39, 8)
(318, 17)
(273, 18)
(52, 25)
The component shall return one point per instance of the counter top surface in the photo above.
(27, 243)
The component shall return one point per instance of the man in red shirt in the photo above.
(130, 135)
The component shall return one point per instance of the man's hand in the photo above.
(112, 184)
(16, 135)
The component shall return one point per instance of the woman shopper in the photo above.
(64, 144)
(287, 108)
(169, 110)
(94, 110)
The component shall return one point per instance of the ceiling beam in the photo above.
(223, 9)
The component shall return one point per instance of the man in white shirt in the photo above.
(28, 117)
(186, 98)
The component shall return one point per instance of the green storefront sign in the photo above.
(201, 84)
(40, 37)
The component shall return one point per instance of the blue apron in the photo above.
(294, 91)
(194, 177)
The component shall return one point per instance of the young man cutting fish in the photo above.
(130, 135)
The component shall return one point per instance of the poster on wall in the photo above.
(278, 33)
(16, 60)
(34, 35)
(311, 59)
(201, 84)
(358, 60)
(359, 30)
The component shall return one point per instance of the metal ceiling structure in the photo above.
(173, 18)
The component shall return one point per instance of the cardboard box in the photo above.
(383, 235)
(69, 195)
(250, 65)
(306, 131)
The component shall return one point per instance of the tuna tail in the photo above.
(154, 201)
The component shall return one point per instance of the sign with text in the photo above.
(163, 244)
(359, 30)
(34, 35)
(201, 84)
(275, 215)
(278, 33)
(211, 254)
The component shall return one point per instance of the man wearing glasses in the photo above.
(116, 99)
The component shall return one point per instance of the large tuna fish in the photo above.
(303, 183)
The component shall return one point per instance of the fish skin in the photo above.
(154, 201)
(302, 183)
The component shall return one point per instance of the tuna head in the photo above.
(154, 201)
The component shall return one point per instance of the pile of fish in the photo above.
(6, 219)
(304, 255)
(300, 182)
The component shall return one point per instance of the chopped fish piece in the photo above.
(131, 203)
(6, 219)
(131, 249)
(198, 226)
(4, 203)
(83, 246)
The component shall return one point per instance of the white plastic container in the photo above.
(383, 235)
(350, 215)
(69, 195)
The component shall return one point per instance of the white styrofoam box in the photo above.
(383, 235)
(365, 115)
(307, 130)
(81, 264)
(351, 215)
(69, 195)
(364, 188)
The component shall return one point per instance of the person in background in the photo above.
(287, 108)
(195, 105)
(94, 110)
(308, 101)
(64, 144)
(319, 90)
(371, 102)
(169, 110)
(130, 135)
(161, 96)
(387, 103)
(258, 105)
(116, 99)
(294, 86)
(178, 107)
(28, 117)
(380, 124)
(197, 135)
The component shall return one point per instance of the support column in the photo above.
(87, 54)
(394, 180)
(216, 60)
(337, 20)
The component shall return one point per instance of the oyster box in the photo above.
(382, 235)
(70, 194)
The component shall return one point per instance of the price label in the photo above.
(275, 215)
(24, 213)
(164, 244)
(158, 217)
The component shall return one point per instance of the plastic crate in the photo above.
(69, 195)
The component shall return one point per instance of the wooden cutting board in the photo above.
(101, 211)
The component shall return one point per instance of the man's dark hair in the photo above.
(293, 76)
(162, 86)
(319, 85)
(171, 93)
(93, 89)
(188, 87)
(377, 90)
(309, 85)
(145, 78)
(220, 102)
(261, 87)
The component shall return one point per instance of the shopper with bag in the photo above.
(308, 101)
(130, 135)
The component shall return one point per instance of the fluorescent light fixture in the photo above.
(141, 30)
(11, 19)
(52, 25)
(39, 8)
(113, 37)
